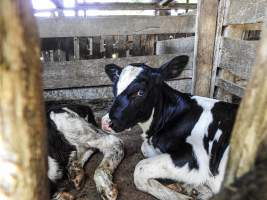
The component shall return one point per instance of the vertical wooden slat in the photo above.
(122, 40)
(136, 47)
(102, 47)
(51, 55)
(218, 43)
(204, 46)
(90, 48)
(76, 48)
(23, 171)
(150, 45)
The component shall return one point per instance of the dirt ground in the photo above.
(124, 173)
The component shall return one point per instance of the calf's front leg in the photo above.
(148, 171)
(75, 167)
(112, 149)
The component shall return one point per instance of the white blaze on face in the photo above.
(127, 76)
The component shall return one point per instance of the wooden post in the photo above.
(23, 171)
(204, 46)
(251, 122)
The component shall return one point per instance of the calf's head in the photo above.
(68, 121)
(136, 89)
(70, 118)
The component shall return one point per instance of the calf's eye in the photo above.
(140, 93)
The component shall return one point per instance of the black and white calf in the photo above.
(73, 137)
(186, 138)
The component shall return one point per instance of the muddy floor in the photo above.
(123, 175)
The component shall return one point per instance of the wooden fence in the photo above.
(235, 46)
(86, 79)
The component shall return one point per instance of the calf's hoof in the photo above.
(64, 196)
(105, 187)
(76, 175)
(110, 193)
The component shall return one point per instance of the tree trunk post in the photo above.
(23, 168)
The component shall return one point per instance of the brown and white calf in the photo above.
(186, 138)
(73, 137)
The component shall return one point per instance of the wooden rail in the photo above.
(102, 92)
(124, 6)
(230, 87)
(115, 25)
(86, 73)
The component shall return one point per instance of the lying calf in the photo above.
(186, 138)
(73, 137)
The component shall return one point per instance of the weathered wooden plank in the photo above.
(238, 56)
(115, 25)
(90, 93)
(125, 6)
(84, 73)
(103, 92)
(204, 46)
(175, 46)
(230, 87)
(246, 11)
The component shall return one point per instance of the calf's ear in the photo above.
(174, 67)
(113, 71)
